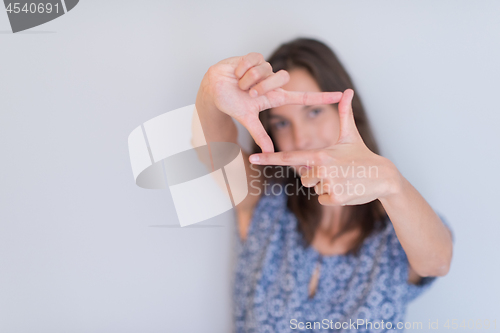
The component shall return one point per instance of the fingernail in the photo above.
(254, 158)
(253, 93)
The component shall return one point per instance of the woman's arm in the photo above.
(424, 237)
(219, 127)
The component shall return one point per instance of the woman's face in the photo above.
(300, 127)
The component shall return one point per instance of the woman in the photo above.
(344, 241)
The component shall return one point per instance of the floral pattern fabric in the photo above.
(273, 270)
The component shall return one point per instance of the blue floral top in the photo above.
(273, 271)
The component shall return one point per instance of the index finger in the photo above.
(301, 157)
(312, 98)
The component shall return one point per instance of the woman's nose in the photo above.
(302, 138)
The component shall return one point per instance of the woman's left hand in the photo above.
(347, 173)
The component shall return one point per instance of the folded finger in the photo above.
(324, 186)
(330, 200)
(255, 75)
(275, 80)
(308, 181)
(248, 61)
(317, 171)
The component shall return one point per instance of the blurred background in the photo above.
(83, 249)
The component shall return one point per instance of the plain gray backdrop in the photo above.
(81, 246)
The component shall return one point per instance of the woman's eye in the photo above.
(280, 124)
(315, 112)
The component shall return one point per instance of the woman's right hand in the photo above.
(229, 86)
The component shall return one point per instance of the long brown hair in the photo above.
(322, 63)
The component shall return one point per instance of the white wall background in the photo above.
(78, 248)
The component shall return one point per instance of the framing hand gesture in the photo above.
(347, 173)
(243, 86)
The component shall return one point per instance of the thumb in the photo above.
(258, 133)
(348, 130)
